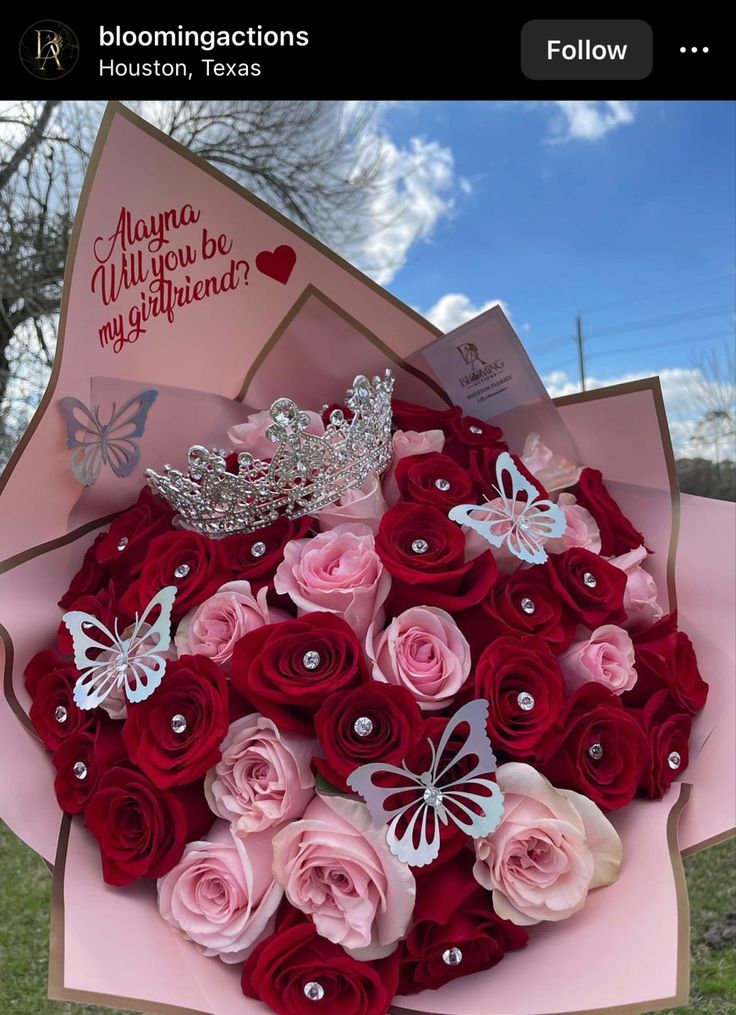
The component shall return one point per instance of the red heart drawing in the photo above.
(277, 263)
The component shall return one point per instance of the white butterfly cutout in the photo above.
(137, 662)
(522, 525)
(115, 443)
(438, 798)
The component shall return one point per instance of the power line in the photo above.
(661, 345)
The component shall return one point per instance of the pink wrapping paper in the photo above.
(316, 329)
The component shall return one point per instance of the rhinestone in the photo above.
(314, 991)
(80, 770)
(311, 659)
(182, 571)
(674, 760)
(178, 723)
(419, 546)
(122, 543)
(452, 956)
(442, 484)
(590, 580)
(595, 751)
(282, 411)
(432, 796)
(363, 726)
(528, 606)
(477, 430)
(525, 701)
(60, 714)
(258, 549)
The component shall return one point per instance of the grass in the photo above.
(25, 890)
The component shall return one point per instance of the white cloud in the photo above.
(683, 413)
(454, 309)
(587, 119)
(420, 190)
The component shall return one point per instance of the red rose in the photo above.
(295, 971)
(142, 830)
(468, 434)
(667, 728)
(254, 556)
(393, 727)
(90, 578)
(408, 416)
(617, 533)
(195, 564)
(288, 669)
(483, 472)
(50, 681)
(81, 761)
(103, 605)
(521, 604)
(454, 914)
(425, 554)
(194, 695)
(591, 588)
(434, 479)
(665, 658)
(124, 546)
(328, 410)
(603, 750)
(523, 683)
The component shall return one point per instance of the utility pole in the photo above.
(581, 351)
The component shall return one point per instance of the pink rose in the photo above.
(263, 778)
(336, 572)
(214, 628)
(553, 471)
(424, 651)
(405, 444)
(581, 528)
(222, 894)
(605, 657)
(364, 505)
(251, 436)
(336, 866)
(640, 595)
(551, 848)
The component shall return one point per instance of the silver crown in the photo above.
(305, 474)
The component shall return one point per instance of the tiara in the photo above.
(305, 474)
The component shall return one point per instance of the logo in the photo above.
(471, 356)
(49, 50)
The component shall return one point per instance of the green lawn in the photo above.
(25, 888)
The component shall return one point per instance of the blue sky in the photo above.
(622, 211)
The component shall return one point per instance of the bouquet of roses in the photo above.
(360, 694)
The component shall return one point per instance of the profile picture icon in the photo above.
(49, 50)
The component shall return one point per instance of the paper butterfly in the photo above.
(107, 660)
(438, 797)
(522, 525)
(95, 444)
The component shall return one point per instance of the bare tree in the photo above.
(713, 393)
(320, 163)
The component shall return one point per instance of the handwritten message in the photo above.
(156, 266)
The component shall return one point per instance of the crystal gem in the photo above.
(420, 546)
(60, 714)
(80, 770)
(311, 659)
(432, 796)
(595, 751)
(258, 549)
(452, 956)
(477, 430)
(122, 543)
(674, 760)
(314, 991)
(363, 726)
(528, 606)
(178, 723)
(590, 580)
(443, 485)
(525, 701)
(182, 571)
